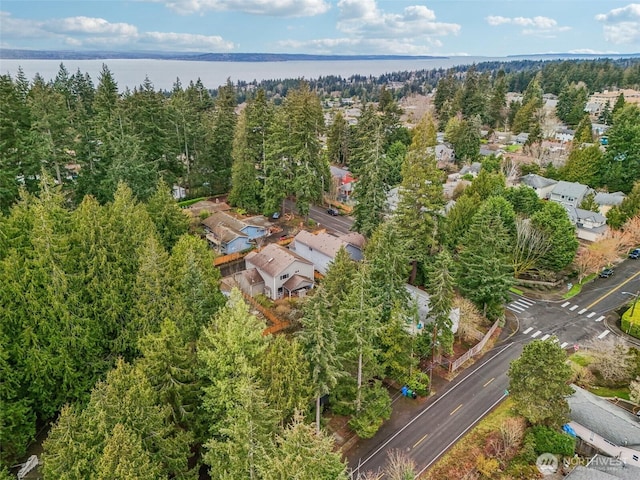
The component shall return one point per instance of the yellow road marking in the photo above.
(419, 441)
(457, 408)
(611, 291)
(489, 382)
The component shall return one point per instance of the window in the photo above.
(284, 277)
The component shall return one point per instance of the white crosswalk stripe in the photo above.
(528, 330)
(582, 311)
(574, 307)
(565, 304)
(591, 314)
(603, 334)
(537, 333)
(515, 308)
(545, 337)
(564, 344)
(600, 318)
(519, 305)
(526, 302)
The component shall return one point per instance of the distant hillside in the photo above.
(572, 56)
(10, 54)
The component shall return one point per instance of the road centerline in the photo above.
(420, 441)
(456, 409)
(489, 382)
(615, 289)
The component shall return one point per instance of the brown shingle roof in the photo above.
(273, 259)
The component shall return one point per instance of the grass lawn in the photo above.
(622, 392)
(581, 359)
(575, 289)
(516, 291)
(512, 148)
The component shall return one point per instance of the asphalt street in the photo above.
(433, 429)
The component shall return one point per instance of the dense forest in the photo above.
(113, 326)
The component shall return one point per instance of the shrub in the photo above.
(631, 325)
(548, 440)
(376, 408)
(419, 383)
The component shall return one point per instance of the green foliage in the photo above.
(464, 136)
(622, 159)
(549, 440)
(571, 103)
(584, 165)
(631, 323)
(485, 273)
(524, 199)
(308, 453)
(170, 221)
(419, 383)
(630, 207)
(440, 288)
(376, 408)
(486, 185)
(539, 383)
(552, 219)
(584, 131)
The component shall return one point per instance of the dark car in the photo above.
(635, 253)
(333, 212)
(606, 273)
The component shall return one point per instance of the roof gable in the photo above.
(273, 259)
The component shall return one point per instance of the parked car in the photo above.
(276, 215)
(606, 273)
(333, 212)
(635, 253)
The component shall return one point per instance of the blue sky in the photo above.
(409, 27)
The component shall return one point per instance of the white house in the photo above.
(569, 193)
(541, 185)
(321, 248)
(422, 300)
(282, 271)
(590, 226)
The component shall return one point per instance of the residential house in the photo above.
(282, 271)
(321, 248)
(569, 193)
(541, 185)
(344, 181)
(521, 138)
(606, 201)
(565, 135)
(422, 301)
(599, 129)
(605, 426)
(208, 206)
(178, 192)
(443, 153)
(473, 170)
(228, 234)
(600, 467)
(590, 226)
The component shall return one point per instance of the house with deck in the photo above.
(321, 248)
(228, 234)
(276, 272)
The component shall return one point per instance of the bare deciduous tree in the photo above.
(471, 320)
(399, 466)
(610, 358)
(530, 245)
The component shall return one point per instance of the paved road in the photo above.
(429, 432)
(337, 225)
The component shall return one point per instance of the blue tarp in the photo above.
(567, 428)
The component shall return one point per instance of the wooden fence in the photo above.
(477, 348)
(277, 324)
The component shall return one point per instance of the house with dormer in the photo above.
(569, 193)
(590, 226)
(276, 272)
(228, 234)
(321, 248)
(541, 185)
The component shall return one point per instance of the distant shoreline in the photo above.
(13, 54)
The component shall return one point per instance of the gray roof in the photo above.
(580, 215)
(570, 189)
(223, 219)
(615, 198)
(475, 167)
(604, 468)
(602, 417)
(536, 181)
(273, 259)
(323, 242)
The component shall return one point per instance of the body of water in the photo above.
(163, 73)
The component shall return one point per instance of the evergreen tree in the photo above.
(338, 140)
(170, 221)
(584, 133)
(498, 101)
(459, 220)
(539, 383)
(370, 190)
(464, 136)
(440, 288)
(308, 453)
(583, 165)
(552, 219)
(421, 196)
(622, 159)
(485, 272)
(319, 338)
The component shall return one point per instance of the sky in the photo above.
(337, 27)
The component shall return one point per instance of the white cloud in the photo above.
(79, 32)
(363, 19)
(89, 26)
(275, 8)
(621, 25)
(187, 41)
(538, 26)
(362, 46)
